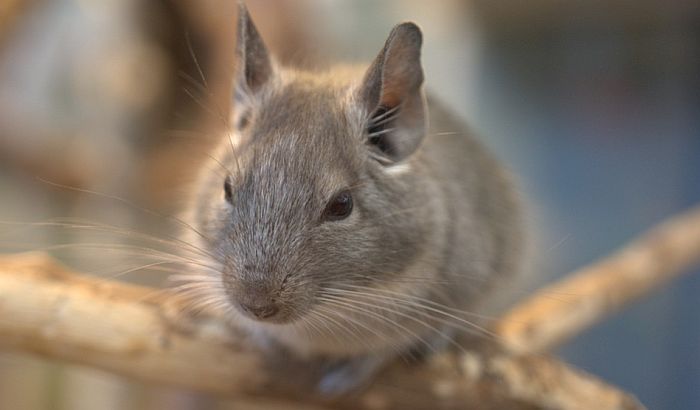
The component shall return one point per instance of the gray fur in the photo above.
(440, 210)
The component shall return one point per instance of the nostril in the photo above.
(261, 312)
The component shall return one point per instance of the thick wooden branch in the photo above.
(134, 331)
(559, 312)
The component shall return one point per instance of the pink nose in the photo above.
(261, 312)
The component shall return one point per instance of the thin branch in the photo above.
(592, 293)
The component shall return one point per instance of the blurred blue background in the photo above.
(598, 109)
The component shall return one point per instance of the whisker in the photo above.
(423, 323)
(204, 107)
(355, 323)
(400, 297)
(381, 118)
(352, 306)
(420, 307)
(127, 203)
(381, 132)
(188, 40)
(325, 318)
(107, 228)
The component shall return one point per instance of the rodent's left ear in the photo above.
(392, 94)
(253, 62)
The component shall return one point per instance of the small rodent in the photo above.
(346, 226)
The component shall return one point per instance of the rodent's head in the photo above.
(321, 190)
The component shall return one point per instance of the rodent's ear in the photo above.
(253, 62)
(392, 94)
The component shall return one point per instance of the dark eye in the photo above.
(228, 191)
(339, 207)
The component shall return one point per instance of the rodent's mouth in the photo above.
(273, 313)
(264, 302)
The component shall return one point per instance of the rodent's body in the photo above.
(433, 224)
(463, 249)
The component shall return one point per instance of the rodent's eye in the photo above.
(339, 207)
(228, 190)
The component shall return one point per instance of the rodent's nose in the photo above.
(261, 312)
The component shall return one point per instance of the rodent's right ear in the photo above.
(253, 62)
(392, 95)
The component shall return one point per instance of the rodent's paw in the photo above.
(349, 375)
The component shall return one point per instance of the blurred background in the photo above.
(595, 105)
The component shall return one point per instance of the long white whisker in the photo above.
(368, 312)
(127, 203)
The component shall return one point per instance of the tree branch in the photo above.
(134, 331)
(562, 310)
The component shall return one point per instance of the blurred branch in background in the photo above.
(68, 99)
(559, 312)
(10, 13)
(138, 333)
(139, 82)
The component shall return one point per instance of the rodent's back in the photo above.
(484, 229)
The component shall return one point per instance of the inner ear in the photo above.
(381, 123)
(392, 94)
